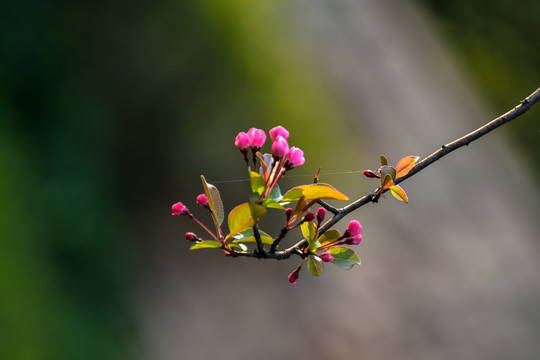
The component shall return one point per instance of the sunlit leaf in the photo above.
(275, 194)
(243, 216)
(238, 245)
(388, 170)
(214, 201)
(344, 257)
(300, 205)
(399, 193)
(206, 244)
(315, 265)
(247, 236)
(271, 203)
(308, 229)
(387, 182)
(257, 183)
(405, 165)
(312, 192)
(329, 236)
(383, 160)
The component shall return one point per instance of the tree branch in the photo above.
(444, 150)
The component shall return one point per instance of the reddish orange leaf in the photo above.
(405, 165)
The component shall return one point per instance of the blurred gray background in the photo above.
(111, 111)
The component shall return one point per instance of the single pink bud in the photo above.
(257, 137)
(279, 131)
(242, 141)
(202, 200)
(293, 277)
(295, 157)
(310, 216)
(180, 209)
(355, 240)
(354, 228)
(191, 237)
(326, 256)
(288, 212)
(280, 147)
(321, 213)
(371, 174)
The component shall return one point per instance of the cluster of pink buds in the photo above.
(282, 159)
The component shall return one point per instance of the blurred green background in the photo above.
(109, 111)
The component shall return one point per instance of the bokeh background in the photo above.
(110, 111)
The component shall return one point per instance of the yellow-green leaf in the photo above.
(244, 216)
(315, 265)
(312, 192)
(399, 193)
(207, 244)
(383, 160)
(329, 236)
(405, 165)
(257, 182)
(247, 236)
(344, 257)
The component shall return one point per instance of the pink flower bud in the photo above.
(326, 256)
(310, 216)
(355, 240)
(278, 131)
(295, 157)
(202, 200)
(180, 209)
(321, 213)
(354, 228)
(242, 141)
(288, 212)
(280, 148)
(371, 174)
(293, 277)
(191, 237)
(257, 137)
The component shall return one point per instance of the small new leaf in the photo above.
(405, 165)
(247, 236)
(315, 265)
(206, 244)
(387, 182)
(214, 201)
(384, 162)
(399, 193)
(313, 192)
(344, 257)
(244, 216)
(329, 236)
(257, 183)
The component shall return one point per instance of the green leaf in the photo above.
(312, 192)
(383, 160)
(237, 245)
(387, 182)
(214, 201)
(388, 170)
(275, 193)
(271, 203)
(247, 236)
(344, 257)
(257, 183)
(329, 236)
(399, 193)
(308, 229)
(315, 265)
(405, 165)
(206, 244)
(244, 216)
